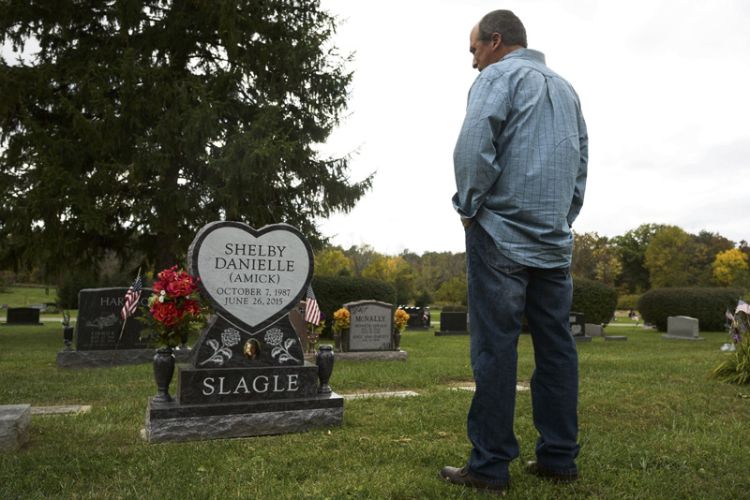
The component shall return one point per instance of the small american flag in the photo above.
(742, 306)
(312, 311)
(728, 315)
(131, 298)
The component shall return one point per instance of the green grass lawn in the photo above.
(21, 296)
(652, 426)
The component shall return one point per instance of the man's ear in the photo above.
(495, 40)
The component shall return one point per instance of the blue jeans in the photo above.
(500, 293)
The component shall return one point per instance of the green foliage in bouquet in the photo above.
(174, 309)
(736, 368)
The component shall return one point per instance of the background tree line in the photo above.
(650, 256)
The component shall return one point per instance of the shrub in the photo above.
(7, 279)
(69, 286)
(423, 299)
(595, 300)
(454, 308)
(708, 305)
(332, 292)
(627, 302)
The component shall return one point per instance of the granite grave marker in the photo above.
(97, 332)
(453, 323)
(99, 323)
(247, 375)
(23, 316)
(682, 328)
(371, 326)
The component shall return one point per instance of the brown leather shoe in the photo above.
(538, 470)
(464, 477)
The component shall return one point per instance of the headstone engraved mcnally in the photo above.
(247, 375)
(371, 326)
(98, 342)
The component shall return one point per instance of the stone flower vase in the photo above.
(345, 340)
(163, 372)
(396, 339)
(324, 360)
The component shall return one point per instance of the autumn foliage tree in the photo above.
(668, 257)
(730, 268)
(135, 122)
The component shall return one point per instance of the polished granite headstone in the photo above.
(247, 375)
(453, 323)
(682, 328)
(100, 339)
(99, 324)
(577, 321)
(371, 326)
(22, 316)
(419, 317)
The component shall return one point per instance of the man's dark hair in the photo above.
(507, 24)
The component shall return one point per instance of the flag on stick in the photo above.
(728, 315)
(312, 311)
(131, 298)
(742, 306)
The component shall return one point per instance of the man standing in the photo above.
(520, 165)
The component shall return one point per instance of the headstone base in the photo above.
(166, 422)
(14, 426)
(680, 337)
(582, 338)
(615, 337)
(106, 358)
(444, 333)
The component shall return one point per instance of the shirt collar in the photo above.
(522, 53)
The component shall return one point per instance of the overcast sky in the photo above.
(664, 86)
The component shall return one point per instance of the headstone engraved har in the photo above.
(100, 339)
(371, 326)
(682, 328)
(247, 375)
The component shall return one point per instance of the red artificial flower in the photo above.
(182, 285)
(165, 313)
(192, 307)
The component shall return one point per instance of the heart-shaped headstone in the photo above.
(251, 277)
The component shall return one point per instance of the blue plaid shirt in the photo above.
(521, 159)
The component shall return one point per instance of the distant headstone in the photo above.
(99, 323)
(371, 327)
(97, 332)
(247, 376)
(419, 317)
(453, 323)
(683, 328)
(14, 426)
(577, 321)
(23, 316)
(592, 330)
